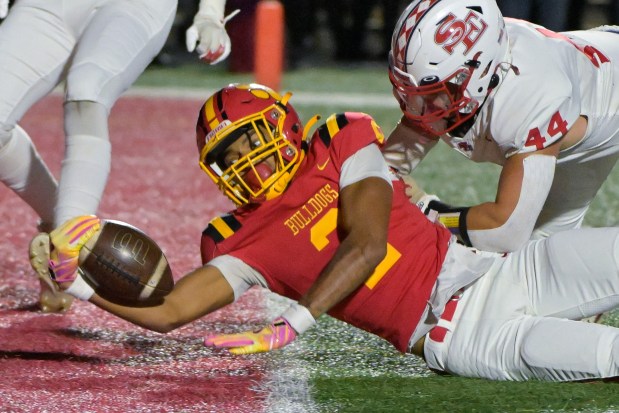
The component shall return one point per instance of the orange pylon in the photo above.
(269, 43)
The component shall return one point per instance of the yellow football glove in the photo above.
(274, 336)
(66, 242)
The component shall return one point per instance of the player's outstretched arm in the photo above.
(198, 293)
(55, 258)
(507, 223)
(207, 35)
(405, 148)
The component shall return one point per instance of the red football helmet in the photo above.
(445, 60)
(268, 126)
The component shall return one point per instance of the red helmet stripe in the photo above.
(409, 25)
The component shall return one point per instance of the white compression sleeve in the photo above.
(405, 148)
(87, 160)
(365, 163)
(85, 170)
(536, 182)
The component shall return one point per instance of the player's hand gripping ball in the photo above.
(125, 266)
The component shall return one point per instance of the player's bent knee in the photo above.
(89, 82)
(532, 352)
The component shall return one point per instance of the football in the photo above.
(125, 266)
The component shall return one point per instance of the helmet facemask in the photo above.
(250, 159)
(434, 106)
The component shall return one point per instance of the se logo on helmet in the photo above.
(454, 31)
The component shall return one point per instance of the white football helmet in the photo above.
(444, 61)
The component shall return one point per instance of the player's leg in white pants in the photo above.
(119, 42)
(507, 325)
(26, 75)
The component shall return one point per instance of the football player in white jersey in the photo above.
(98, 48)
(543, 105)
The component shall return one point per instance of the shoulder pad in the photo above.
(221, 228)
(331, 127)
(338, 121)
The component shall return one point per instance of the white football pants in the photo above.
(516, 321)
(99, 47)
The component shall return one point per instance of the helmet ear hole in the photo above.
(494, 81)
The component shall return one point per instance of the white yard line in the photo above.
(287, 385)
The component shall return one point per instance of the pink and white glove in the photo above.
(284, 329)
(66, 242)
(207, 35)
(271, 337)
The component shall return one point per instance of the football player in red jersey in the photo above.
(365, 255)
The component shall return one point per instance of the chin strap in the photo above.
(282, 183)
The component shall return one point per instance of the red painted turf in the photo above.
(88, 360)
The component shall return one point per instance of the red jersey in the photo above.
(289, 240)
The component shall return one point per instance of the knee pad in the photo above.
(88, 82)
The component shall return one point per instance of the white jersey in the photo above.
(554, 78)
(551, 79)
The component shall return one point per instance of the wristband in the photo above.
(80, 289)
(299, 318)
(453, 218)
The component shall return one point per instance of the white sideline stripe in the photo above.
(346, 99)
(287, 385)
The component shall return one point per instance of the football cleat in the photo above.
(51, 299)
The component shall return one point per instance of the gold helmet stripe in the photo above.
(209, 113)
